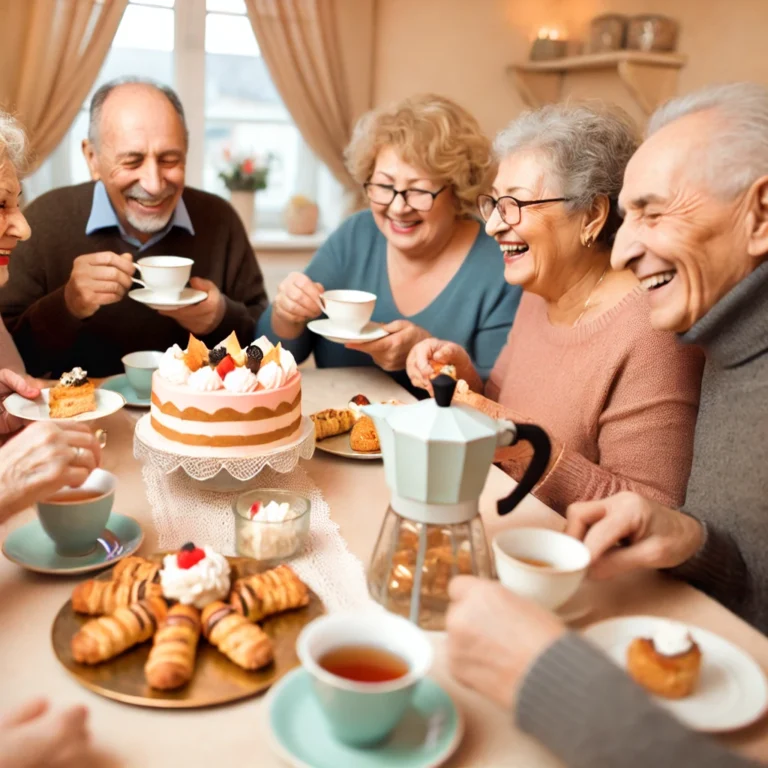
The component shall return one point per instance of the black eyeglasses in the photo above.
(510, 208)
(418, 199)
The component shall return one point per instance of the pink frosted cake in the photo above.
(227, 397)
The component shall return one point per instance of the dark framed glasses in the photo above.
(418, 199)
(510, 208)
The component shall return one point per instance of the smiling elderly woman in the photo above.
(419, 248)
(618, 399)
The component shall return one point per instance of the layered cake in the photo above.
(73, 395)
(227, 397)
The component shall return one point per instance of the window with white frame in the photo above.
(238, 111)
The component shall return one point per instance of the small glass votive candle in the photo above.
(265, 537)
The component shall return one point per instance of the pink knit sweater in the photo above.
(620, 397)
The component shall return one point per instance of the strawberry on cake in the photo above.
(227, 397)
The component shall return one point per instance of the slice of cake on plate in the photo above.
(73, 395)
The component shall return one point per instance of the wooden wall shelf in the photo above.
(650, 78)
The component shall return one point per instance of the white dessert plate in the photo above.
(107, 403)
(330, 331)
(189, 296)
(732, 691)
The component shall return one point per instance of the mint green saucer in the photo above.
(427, 736)
(122, 386)
(30, 547)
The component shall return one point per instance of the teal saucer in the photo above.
(122, 386)
(30, 547)
(427, 736)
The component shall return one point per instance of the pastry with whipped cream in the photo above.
(247, 400)
(195, 576)
(667, 664)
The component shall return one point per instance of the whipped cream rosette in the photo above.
(195, 576)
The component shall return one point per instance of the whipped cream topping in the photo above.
(241, 380)
(204, 582)
(672, 639)
(356, 409)
(205, 380)
(172, 366)
(271, 376)
(264, 344)
(73, 378)
(266, 542)
(288, 363)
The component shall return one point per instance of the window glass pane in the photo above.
(145, 28)
(225, 6)
(230, 35)
(240, 88)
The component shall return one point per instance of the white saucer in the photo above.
(107, 403)
(732, 691)
(189, 296)
(326, 328)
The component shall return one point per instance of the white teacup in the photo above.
(165, 276)
(362, 713)
(349, 310)
(551, 585)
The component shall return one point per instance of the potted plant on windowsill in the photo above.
(244, 178)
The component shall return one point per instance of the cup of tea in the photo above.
(139, 367)
(540, 564)
(364, 671)
(166, 276)
(75, 517)
(349, 310)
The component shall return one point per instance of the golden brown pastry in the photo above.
(99, 597)
(364, 437)
(442, 368)
(108, 636)
(171, 661)
(74, 394)
(264, 594)
(670, 676)
(331, 422)
(136, 567)
(242, 642)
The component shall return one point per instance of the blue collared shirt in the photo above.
(103, 216)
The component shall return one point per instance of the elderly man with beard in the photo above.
(66, 302)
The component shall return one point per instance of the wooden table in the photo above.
(236, 735)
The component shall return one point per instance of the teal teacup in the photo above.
(139, 367)
(363, 713)
(75, 517)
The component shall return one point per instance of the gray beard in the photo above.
(148, 225)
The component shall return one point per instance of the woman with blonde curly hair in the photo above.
(422, 163)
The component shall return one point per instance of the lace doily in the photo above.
(155, 451)
(182, 512)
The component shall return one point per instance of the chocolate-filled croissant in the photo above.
(171, 661)
(97, 598)
(332, 422)
(240, 641)
(264, 594)
(136, 567)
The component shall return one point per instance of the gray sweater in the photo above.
(574, 700)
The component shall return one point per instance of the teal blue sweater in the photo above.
(475, 309)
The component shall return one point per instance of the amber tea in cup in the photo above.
(364, 664)
(72, 497)
(534, 562)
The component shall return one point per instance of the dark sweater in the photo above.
(51, 340)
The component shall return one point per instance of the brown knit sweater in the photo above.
(51, 340)
(621, 398)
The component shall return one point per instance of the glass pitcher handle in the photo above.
(542, 450)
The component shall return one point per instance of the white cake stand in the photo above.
(220, 469)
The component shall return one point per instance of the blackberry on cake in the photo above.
(73, 395)
(253, 358)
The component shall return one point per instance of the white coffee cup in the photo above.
(349, 310)
(363, 713)
(165, 276)
(552, 585)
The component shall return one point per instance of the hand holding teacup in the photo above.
(296, 303)
(98, 279)
(204, 317)
(391, 352)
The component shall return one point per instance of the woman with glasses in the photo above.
(419, 247)
(618, 399)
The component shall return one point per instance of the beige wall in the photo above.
(460, 48)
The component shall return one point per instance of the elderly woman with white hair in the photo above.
(618, 399)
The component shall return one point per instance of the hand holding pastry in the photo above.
(296, 303)
(391, 352)
(98, 279)
(204, 317)
(658, 537)
(427, 358)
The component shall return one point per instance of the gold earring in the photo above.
(587, 241)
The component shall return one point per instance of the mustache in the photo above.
(137, 192)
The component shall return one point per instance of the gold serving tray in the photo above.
(216, 680)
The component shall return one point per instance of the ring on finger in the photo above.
(78, 454)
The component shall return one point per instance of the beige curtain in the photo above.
(51, 54)
(320, 56)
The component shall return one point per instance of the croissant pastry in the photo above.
(331, 422)
(274, 591)
(136, 568)
(108, 636)
(171, 661)
(97, 598)
(240, 641)
(364, 437)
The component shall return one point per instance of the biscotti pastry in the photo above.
(73, 395)
(242, 642)
(443, 368)
(464, 395)
(135, 567)
(331, 422)
(364, 438)
(270, 592)
(97, 598)
(108, 636)
(171, 661)
(668, 664)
